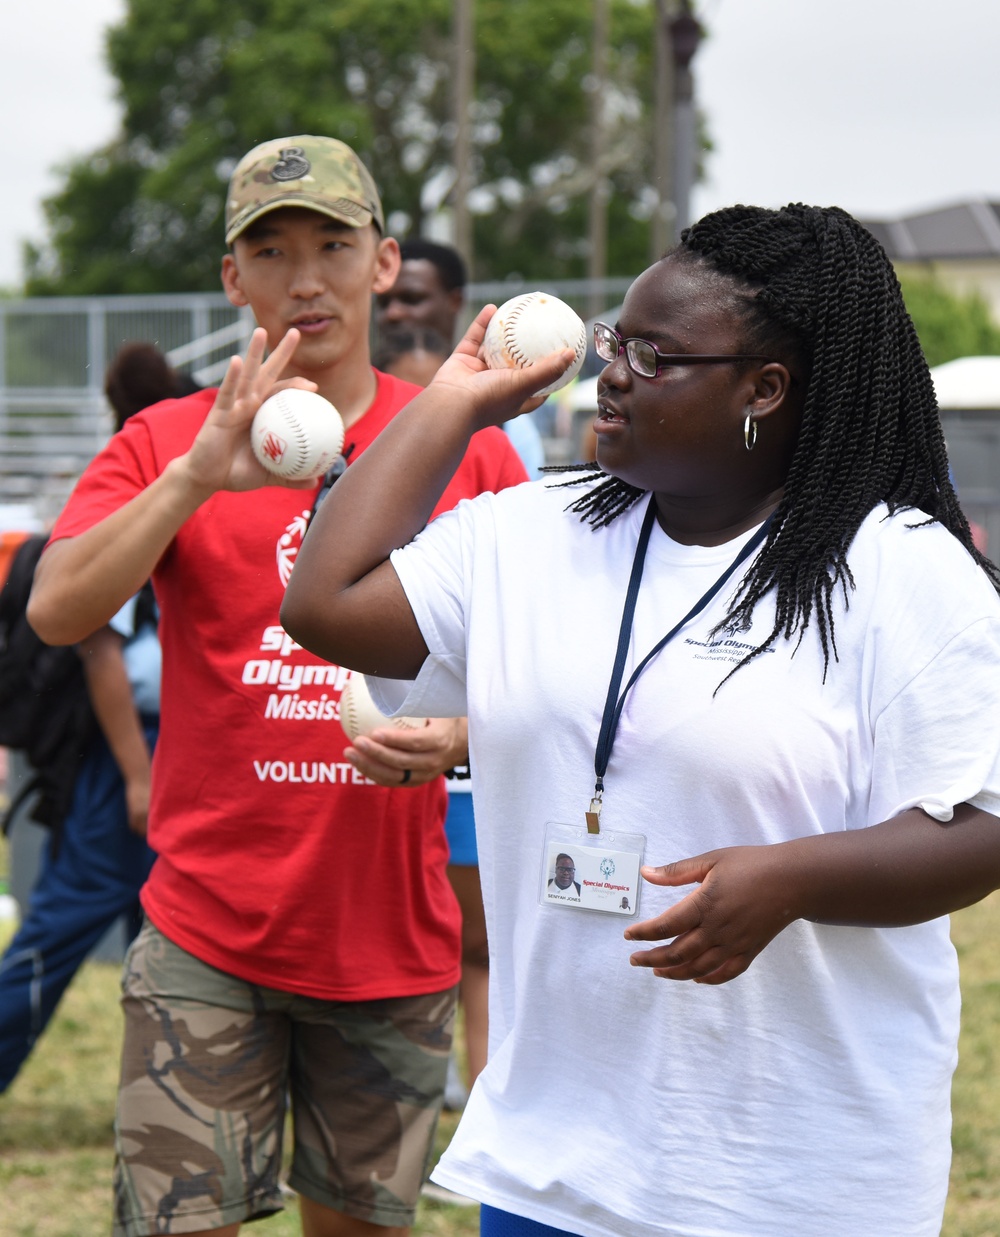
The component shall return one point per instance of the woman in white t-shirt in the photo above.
(748, 676)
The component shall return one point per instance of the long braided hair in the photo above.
(813, 283)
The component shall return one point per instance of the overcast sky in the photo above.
(878, 106)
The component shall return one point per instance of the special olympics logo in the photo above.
(288, 546)
(607, 868)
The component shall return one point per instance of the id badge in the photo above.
(591, 872)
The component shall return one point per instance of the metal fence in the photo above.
(54, 353)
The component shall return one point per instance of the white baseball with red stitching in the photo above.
(358, 714)
(531, 326)
(297, 434)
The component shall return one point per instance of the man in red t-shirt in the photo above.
(302, 938)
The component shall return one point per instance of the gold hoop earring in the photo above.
(750, 433)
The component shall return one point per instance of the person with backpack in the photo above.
(87, 721)
(45, 712)
(98, 858)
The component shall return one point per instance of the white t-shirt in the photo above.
(809, 1096)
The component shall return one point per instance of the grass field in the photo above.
(55, 1121)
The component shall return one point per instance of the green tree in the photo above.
(204, 81)
(949, 325)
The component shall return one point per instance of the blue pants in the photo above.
(496, 1223)
(460, 830)
(93, 878)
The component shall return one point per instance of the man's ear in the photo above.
(387, 264)
(231, 282)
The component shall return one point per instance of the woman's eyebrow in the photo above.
(661, 340)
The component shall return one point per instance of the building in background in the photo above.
(958, 245)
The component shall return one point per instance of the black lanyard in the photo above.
(614, 704)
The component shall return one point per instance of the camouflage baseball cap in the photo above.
(319, 173)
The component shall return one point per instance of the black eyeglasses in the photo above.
(644, 359)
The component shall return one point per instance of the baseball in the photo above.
(531, 326)
(358, 714)
(296, 434)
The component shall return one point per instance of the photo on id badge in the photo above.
(577, 874)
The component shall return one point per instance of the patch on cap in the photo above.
(319, 173)
(292, 165)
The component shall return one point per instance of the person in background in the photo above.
(412, 353)
(429, 292)
(792, 760)
(139, 376)
(301, 943)
(94, 875)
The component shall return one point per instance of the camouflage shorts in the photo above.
(208, 1064)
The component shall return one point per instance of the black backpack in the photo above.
(45, 710)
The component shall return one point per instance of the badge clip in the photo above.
(594, 815)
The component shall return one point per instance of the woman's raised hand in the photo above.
(499, 394)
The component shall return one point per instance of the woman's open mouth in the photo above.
(609, 416)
